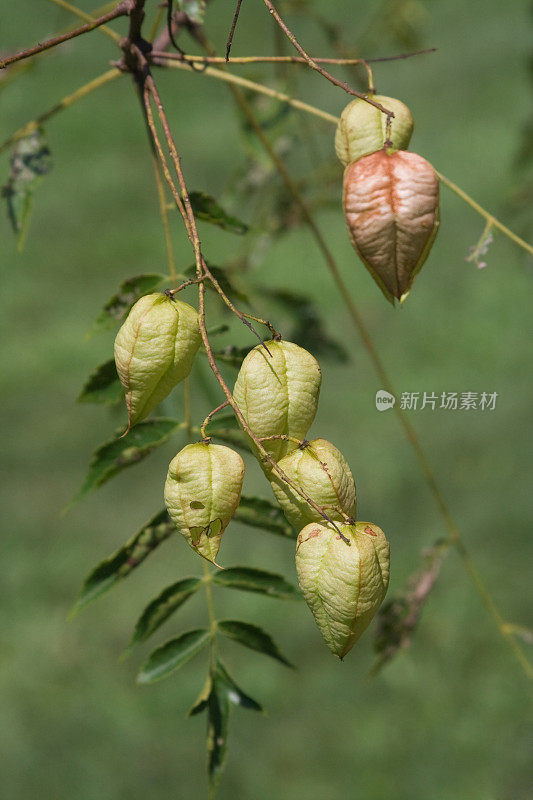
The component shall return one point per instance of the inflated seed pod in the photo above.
(154, 350)
(277, 392)
(362, 128)
(391, 203)
(323, 473)
(343, 585)
(202, 492)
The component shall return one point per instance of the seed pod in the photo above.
(362, 128)
(154, 350)
(323, 473)
(202, 492)
(391, 203)
(343, 585)
(278, 393)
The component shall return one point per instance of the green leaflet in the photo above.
(207, 209)
(249, 579)
(118, 306)
(261, 513)
(30, 161)
(173, 654)
(122, 452)
(103, 385)
(252, 637)
(163, 606)
(119, 565)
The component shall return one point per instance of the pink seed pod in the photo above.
(391, 203)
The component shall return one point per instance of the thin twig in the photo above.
(211, 414)
(228, 77)
(119, 11)
(282, 59)
(232, 29)
(190, 223)
(88, 17)
(236, 80)
(314, 65)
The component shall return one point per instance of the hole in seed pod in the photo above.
(196, 504)
(369, 530)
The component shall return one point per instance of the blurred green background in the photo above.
(447, 719)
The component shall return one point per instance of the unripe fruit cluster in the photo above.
(390, 197)
(343, 566)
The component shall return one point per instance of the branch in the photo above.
(313, 64)
(185, 209)
(283, 59)
(88, 17)
(119, 11)
(318, 112)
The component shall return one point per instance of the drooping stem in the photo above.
(314, 65)
(211, 414)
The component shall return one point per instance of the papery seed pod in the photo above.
(154, 350)
(277, 392)
(391, 203)
(323, 473)
(202, 492)
(343, 585)
(362, 128)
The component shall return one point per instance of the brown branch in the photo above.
(121, 10)
(313, 64)
(232, 29)
(184, 206)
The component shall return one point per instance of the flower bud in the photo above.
(277, 392)
(202, 492)
(391, 203)
(323, 473)
(154, 350)
(362, 128)
(343, 585)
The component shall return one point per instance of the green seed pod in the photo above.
(323, 473)
(202, 492)
(278, 393)
(391, 203)
(343, 585)
(362, 128)
(154, 350)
